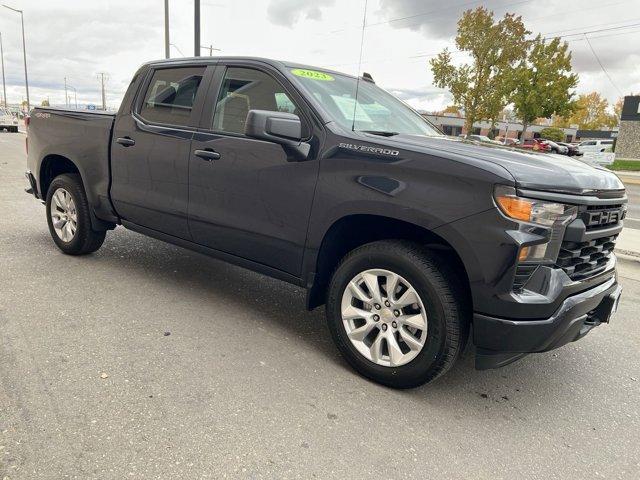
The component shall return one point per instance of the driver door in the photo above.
(247, 197)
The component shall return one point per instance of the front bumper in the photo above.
(502, 341)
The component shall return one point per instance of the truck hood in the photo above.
(538, 171)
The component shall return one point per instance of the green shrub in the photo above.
(552, 133)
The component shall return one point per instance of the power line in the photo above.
(589, 26)
(430, 12)
(433, 54)
(596, 31)
(602, 66)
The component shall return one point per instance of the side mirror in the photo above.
(277, 127)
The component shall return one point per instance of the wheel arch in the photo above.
(53, 165)
(352, 231)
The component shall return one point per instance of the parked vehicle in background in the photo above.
(535, 144)
(556, 147)
(8, 121)
(409, 238)
(510, 142)
(572, 150)
(483, 139)
(598, 151)
(596, 146)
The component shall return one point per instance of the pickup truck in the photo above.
(8, 121)
(410, 239)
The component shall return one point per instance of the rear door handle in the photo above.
(126, 141)
(207, 154)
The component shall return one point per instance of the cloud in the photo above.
(288, 12)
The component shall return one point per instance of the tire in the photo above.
(82, 239)
(441, 297)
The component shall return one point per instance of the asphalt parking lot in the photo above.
(148, 361)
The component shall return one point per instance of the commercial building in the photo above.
(628, 142)
(454, 126)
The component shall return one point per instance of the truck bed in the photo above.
(82, 136)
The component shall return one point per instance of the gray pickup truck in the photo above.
(410, 238)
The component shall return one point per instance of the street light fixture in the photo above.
(24, 54)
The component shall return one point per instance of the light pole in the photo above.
(4, 85)
(24, 54)
(66, 95)
(167, 52)
(196, 28)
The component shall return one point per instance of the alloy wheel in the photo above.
(63, 215)
(384, 317)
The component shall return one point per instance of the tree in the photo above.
(591, 113)
(542, 83)
(494, 47)
(451, 109)
(45, 103)
(552, 133)
(617, 109)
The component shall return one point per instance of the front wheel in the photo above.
(69, 217)
(397, 313)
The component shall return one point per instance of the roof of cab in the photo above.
(209, 60)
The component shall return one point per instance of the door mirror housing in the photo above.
(277, 127)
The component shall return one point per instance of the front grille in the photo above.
(602, 216)
(584, 259)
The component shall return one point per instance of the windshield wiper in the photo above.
(382, 133)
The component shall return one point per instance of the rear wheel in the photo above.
(396, 313)
(69, 218)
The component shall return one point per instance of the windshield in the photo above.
(377, 111)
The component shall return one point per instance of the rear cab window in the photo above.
(170, 96)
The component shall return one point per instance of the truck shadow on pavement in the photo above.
(281, 307)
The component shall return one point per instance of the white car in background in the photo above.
(596, 146)
(8, 121)
(598, 151)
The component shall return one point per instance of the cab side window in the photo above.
(245, 89)
(170, 95)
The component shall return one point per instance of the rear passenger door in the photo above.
(151, 146)
(251, 200)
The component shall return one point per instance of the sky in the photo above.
(79, 39)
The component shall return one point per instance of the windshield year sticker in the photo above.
(312, 74)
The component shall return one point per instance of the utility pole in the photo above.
(4, 85)
(24, 53)
(196, 27)
(66, 95)
(75, 95)
(101, 77)
(167, 52)
(211, 49)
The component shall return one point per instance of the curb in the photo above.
(629, 180)
(626, 256)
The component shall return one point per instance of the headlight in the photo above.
(547, 214)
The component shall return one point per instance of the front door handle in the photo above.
(126, 141)
(207, 154)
